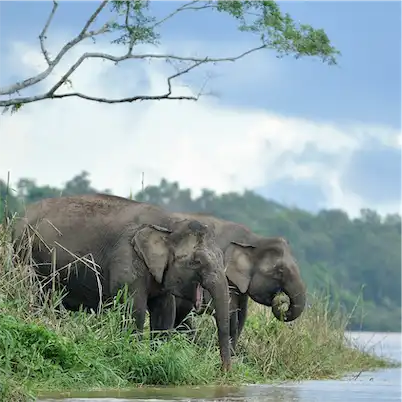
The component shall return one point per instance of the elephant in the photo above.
(256, 266)
(140, 245)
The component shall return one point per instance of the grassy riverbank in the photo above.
(43, 350)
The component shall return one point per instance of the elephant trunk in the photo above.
(219, 291)
(296, 292)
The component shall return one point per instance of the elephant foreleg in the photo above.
(238, 314)
(139, 313)
(162, 313)
(134, 279)
(183, 321)
(233, 330)
(139, 310)
(243, 306)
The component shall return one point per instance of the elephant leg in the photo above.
(124, 271)
(183, 321)
(139, 311)
(243, 306)
(162, 313)
(234, 319)
(138, 294)
(237, 319)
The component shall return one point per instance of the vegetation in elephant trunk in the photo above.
(295, 300)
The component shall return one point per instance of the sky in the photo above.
(296, 131)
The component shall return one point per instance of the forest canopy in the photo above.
(357, 262)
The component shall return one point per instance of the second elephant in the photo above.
(256, 266)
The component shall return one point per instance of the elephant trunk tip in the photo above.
(280, 306)
(286, 308)
(226, 367)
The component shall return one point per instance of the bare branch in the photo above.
(124, 100)
(92, 18)
(40, 77)
(166, 95)
(42, 35)
(117, 59)
(184, 7)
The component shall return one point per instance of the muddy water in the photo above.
(379, 386)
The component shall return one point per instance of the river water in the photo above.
(378, 386)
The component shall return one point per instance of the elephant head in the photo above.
(180, 258)
(264, 268)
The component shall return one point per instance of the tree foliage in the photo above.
(132, 23)
(345, 257)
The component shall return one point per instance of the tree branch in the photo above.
(276, 31)
(132, 41)
(41, 76)
(92, 18)
(42, 35)
(184, 7)
(117, 59)
(166, 95)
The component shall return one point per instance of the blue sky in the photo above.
(361, 95)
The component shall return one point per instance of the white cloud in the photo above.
(201, 145)
(397, 143)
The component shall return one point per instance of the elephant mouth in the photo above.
(266, 299)
(198, 298)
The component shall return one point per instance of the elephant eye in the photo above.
(195, 263)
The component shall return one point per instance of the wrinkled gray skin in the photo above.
(256, 266)
(136, 244)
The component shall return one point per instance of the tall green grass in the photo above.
(43, 347)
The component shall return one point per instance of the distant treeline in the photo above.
(352, 260)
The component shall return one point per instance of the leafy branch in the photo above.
(133, 25)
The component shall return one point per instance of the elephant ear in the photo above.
(239, 264)
(150, 243)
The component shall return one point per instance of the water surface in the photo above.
(378, 386)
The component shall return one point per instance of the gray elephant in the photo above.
(256, 266)
(137, 244)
